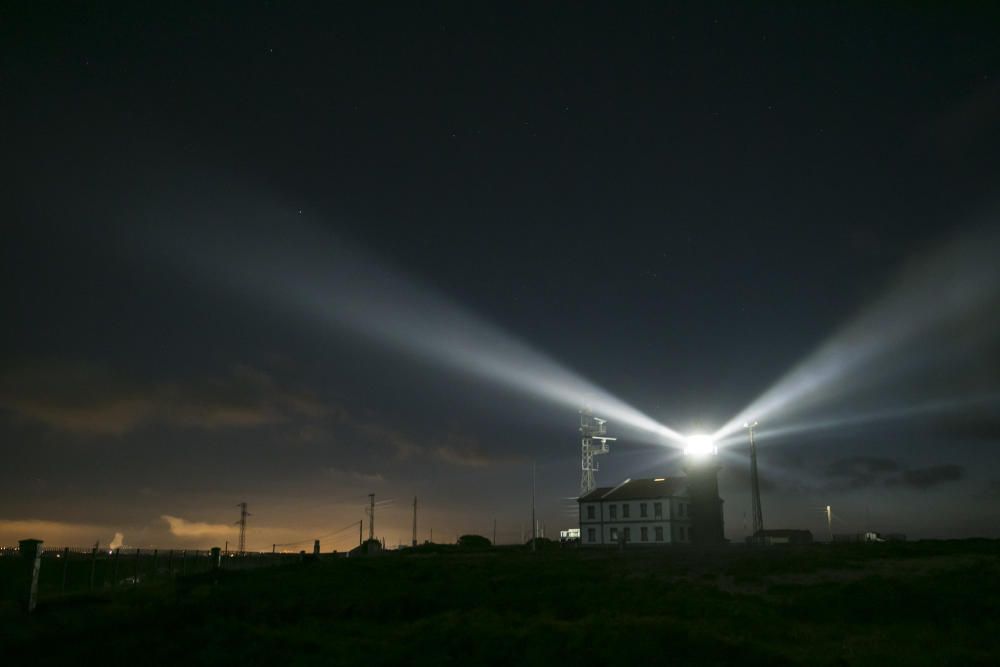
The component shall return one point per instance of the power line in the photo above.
(310, 539)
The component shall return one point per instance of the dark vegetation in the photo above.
(928, 603)
(474, 542)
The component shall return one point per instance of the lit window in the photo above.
(643, 510)
(590, 511)
(658, 510)
(659, 533)
(644, 534)
(614, 534)
(625, 511)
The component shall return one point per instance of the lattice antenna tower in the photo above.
(242, 523)
(758, 516)
(594, 442)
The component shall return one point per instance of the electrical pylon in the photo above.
(243, 527)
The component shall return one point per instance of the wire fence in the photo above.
(71, 570)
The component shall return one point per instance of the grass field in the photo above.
(925, 603)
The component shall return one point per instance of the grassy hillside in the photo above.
(930, 603)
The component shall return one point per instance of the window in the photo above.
(625, 510)
(643, 507)
(627, 532)
(591, 534)
(614, 534)
(590, 513)
(658, 510)
(680, 509)
(644, 534)
(612, 511)
(683, 532)
(659, 533)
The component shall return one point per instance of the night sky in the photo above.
(250, 252)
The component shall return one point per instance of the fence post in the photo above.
(31, 561)
(93, 566)
(114, 580)
(65, 554)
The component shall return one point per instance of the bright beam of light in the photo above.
(338, 285)
(929, 298)
(936, 406)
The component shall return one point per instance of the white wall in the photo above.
(602, 523)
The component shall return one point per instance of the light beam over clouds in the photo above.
(939, 309)
(339, 285)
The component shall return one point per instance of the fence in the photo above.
(67, 570)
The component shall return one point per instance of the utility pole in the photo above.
(758, 518)
(414, 521)
(371, 516)
(534, 530)
(361, 534)
(243, 527)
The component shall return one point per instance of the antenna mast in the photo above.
(414, 521)
(371, 516)
(758, 518)
(534, 530)
(594, 441)
(243, 527)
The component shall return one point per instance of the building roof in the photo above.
(636, 489)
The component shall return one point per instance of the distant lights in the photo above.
(660, 479)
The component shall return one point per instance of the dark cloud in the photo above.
(990, 492)
(978, 427)
(81, 399)
(90, 401)
(924, 478)
(464, 450)
(863, 471)
(737, 479)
